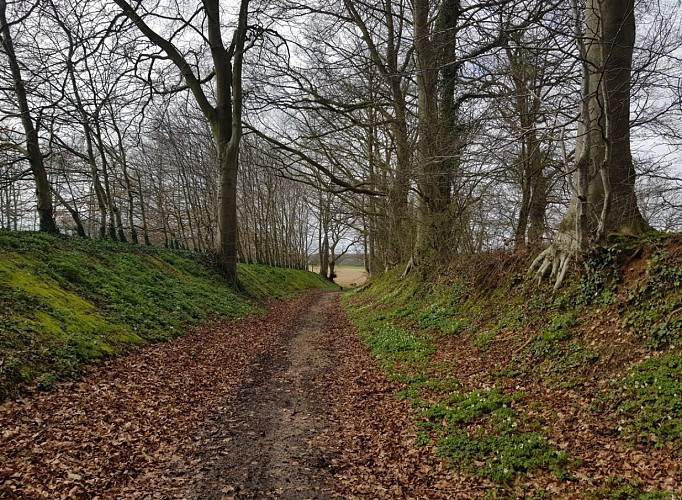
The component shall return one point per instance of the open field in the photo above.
(347, 275)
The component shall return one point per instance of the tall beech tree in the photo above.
(223, 112)
(603, 184)
(442, 92)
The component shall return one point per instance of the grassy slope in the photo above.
(465, 342)
(64, 301)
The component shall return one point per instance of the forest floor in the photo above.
(284, 405)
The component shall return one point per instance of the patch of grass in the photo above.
(64, 302)
(441, 319)
(464, 408)
(483, 338)
(622, 489)
(391, 344)
(548, 344)
(502, 457)
(559, 328)
(265, 282)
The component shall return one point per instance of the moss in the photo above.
(64, 302)
(261, 282)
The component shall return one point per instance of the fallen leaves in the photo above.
(375, 436)
(127, 419)
(149, 425)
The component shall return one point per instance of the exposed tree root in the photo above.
(553, 262)
(408, 268)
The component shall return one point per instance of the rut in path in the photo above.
(260, 444)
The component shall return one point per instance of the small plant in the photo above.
(482, 339)
(622, 489)
(601, 276)
(650, 400)
(560, 328)
(394, 344)
(547, 345)
(480, 434)
(653, 310)
(502, 457)
(46, 381)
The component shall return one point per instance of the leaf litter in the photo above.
(289, 404)
(284, 405)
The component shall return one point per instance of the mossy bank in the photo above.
(64, 301)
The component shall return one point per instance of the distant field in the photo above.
(347, 275)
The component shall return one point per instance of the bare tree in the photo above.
(224, 114)
(32, 150)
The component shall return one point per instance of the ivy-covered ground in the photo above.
(569, 394)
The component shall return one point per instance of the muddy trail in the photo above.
(283, 405)
(260, 445)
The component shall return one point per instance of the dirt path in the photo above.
(285, 405)
(261, 446)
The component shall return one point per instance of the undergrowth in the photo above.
(648, 401)
(622, 489)
(64, 302)
(477, 431)
(563, 341)
(480, 433)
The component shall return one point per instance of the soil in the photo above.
(284, 405)
(259, 446)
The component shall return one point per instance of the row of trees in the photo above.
(415, 129)
(486, 123)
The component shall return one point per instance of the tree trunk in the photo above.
(80, 229)
(613, 154)
(604, 200)
(523, 72)
(323, 237)
(143, 212)
(122, 158)
(227, 216)
(538, 206)
(224, 117)
(437, 127)
(35, 158)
